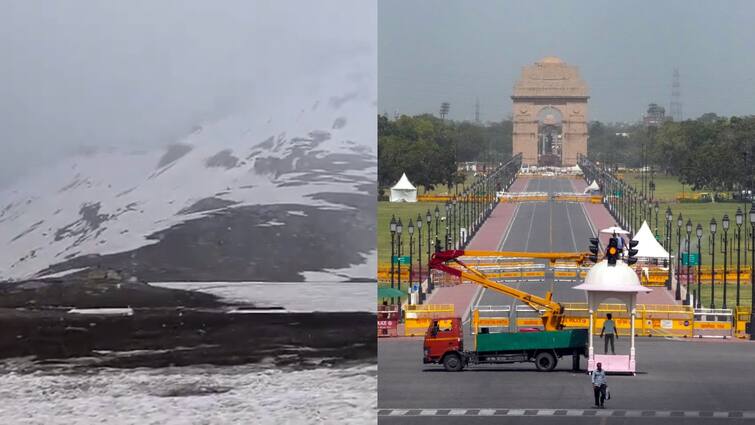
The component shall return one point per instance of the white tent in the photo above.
(593, 187)
(648, 246)
(403, 191)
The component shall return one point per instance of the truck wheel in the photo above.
(452, 363)
(545, 361)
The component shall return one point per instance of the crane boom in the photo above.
(553, 310)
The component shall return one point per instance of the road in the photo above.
(679, 381)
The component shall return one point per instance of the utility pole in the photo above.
(477, 111)
(444, 108)
(675, 109)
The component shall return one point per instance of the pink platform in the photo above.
(616, 363)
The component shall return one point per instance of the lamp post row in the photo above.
(622, 202)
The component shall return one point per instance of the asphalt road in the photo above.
(674, 375)
(679, 381)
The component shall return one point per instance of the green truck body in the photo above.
(525, 341)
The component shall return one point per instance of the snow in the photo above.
(293, 296)
(250, 394)
(111, 201)
(63, 273)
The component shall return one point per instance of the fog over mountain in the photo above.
(188, 143)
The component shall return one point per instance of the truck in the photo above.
(444, 339)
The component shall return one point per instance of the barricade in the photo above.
(652, 276)
(741, 319)
(490, 317)
(417, 318)
(650, 320)
(713, 323)
(387, 321)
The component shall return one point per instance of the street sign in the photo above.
(690, 259)
(402, 260)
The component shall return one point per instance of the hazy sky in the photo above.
(432, 51)
(143, 73)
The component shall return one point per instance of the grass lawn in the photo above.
(745, 295)
(404, 211)
(666, 189)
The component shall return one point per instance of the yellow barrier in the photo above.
(741, 318)
(417, 318)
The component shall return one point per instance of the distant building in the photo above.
(655, 116)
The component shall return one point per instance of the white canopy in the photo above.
(593, 187)
(404, 191)
(614, 229)
(648, 246)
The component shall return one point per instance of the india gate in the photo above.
(550, 114)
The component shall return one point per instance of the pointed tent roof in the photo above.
(648, 246)
(593, 186)
(404, 183)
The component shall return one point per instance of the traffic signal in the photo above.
(594, 249)
(631, 252)
(612, 252)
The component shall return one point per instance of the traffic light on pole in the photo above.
(594, 249)
(631, 252)
(612, 252)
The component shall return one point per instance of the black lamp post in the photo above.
(437, 220)
(679, 223)
(410, 228)
(725, 246)
(669, 217)
(456, 224)
(752, 275)
(448, 231)
(739, 219)
(429, 219)
(689, 235)
(399, 229)
(657, 208)
(419, 256)
(652, 187)
(699, 232)
(393, 247)
(712, 245)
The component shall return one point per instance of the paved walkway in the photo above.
(600, 218)
(487, 238)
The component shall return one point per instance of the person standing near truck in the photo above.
(599, 385)
(609, 328)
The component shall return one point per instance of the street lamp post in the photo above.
(399, 229)
(712, 246)
(699, 232)
(752, 275)
(657, 207)
(669, 217)
(448, 231)
(419, 256)
(410, 228)
(393, 247)
(679, 223)
(456, 226)
(689, 235)
(437, 220)
(739, 219)
(725, 246)
(429, 218)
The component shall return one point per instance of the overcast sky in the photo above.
(432, 51)
(143, 73)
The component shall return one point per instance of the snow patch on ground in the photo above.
(192, 395)
(293, 296)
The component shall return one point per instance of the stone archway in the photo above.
(550, 85)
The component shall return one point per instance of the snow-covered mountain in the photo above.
(284, 192)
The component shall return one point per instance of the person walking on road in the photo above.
(599, 385)
(609, 329)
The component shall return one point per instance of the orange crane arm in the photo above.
(553, 310)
